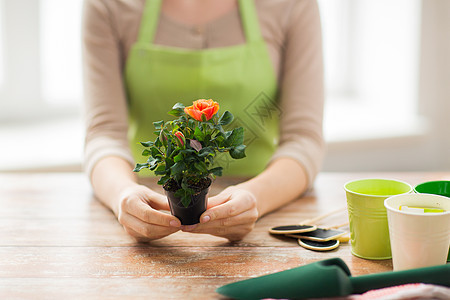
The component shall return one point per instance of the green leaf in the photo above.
(205, 152)
(169, 147)
(178, 157)
(185, 195)
(169, 162)
(186, 200)
(139, 167)
(204, 118)
(158, 124)
(153, 167)
(178, 106)
(175, 113)
(158, 142)
(180, 193)
(218, 138)
(146, 152)
(163, 180)
(184, 184)
(153, 162)
(201, 166)
(226, 118)
(236, 138)
(161, 170)
(191, 123)
(147, 144)
(163, 137)
(208, 124)
(190, 159)
(178, 167)
(155, 152)
(217, 171)
(207, 138)
(182, 119)
(188, 152)
(198, 134)
(238, 152)
(177, 110)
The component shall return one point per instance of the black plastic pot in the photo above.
(188, 215)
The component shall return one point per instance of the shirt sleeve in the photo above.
(106, 118)
(302, 90)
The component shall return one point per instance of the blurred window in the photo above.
(1, 44)
(40, 59)
(371, 53)
(60, 51)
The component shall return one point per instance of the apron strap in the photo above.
(150, 17)
(249, 20)
(149, 21)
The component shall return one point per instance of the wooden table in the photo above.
(57, 242)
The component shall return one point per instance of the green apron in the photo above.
(240, 78)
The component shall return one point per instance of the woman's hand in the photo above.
(231, 214)
(139, 213)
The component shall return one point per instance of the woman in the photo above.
(262, 61)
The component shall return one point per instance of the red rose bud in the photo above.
(180, 139)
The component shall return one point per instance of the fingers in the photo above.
(222, 197)
(140, 217)
(248, 216)
(233, 218)
(229, 206)
(218, 199)
(142, 231)
(147, 214)
(231, 214)
(154, 199)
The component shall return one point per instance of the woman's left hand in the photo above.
(231, 214)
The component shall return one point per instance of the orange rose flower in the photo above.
(202, 107)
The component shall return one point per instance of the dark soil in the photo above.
(196, 185)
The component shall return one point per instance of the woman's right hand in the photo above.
(139, 212)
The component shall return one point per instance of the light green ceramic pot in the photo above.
(369, 231)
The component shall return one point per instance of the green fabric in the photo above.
(240, 78)
(328, 278)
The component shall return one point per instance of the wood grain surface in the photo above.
(57, 241)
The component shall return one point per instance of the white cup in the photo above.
(418, 239)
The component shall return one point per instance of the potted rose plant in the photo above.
(183, 155)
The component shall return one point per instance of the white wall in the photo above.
(427, 146)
